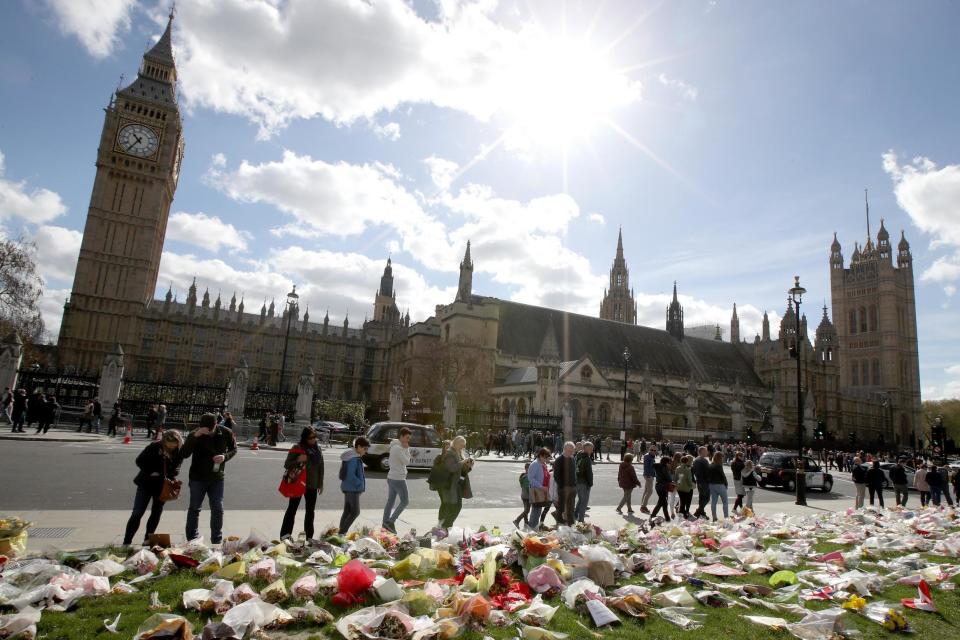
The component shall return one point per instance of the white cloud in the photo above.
(949, 389)
(209, 232)
(687, 92)
(931, 196)
(51, 309)
(36, 206)
(96, 23)
(344, 61)
(338, 199)
(442, 171)
(389, 131)
(57, 251)
(598, 218)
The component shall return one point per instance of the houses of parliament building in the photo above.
(860, 372)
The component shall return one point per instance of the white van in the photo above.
(424, 445)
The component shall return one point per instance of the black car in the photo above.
(778, 469)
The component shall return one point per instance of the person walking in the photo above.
(86, 418)
(649, 477)
(920, 484)
(565, 475)
(859, 476)
(151, 420)
(718, 485)
(956, 485)
(898, 476)
(97, 414)
(684, 481)
(875, 481)
(664, 480)
(608, 446)
(524, 497)
(19, 412)
(352, 482)
(701, 468)
(736, 467)
(457, 467)
(539, 477)
(158, 461)
(48, 413)
(114, 421)
(936, 484)
(400, 454)
(584, 467)
(628, 481)
(162, 420)
(749, 481)
(306, 456)
(210, 446)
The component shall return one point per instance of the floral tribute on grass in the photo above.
(813, 577)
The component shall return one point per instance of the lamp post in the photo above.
(796, 294)
(292, 298)
(626, 363)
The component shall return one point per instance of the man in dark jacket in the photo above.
(898, 476)
(584, 480)
(565, 475)
(701, 468)
(875, 481)
(210, 446)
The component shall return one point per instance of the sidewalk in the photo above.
(57, 434)
(86, 529)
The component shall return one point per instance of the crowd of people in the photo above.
(557, 481)
(20, 409)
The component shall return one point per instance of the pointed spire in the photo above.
(467, 261)
(233, 301)
(835, 246)
(326, 317)
(169, 295)
(620, 243)
(240, 308)
(675, 291)
(549, 349)
(866, 202)
(162, 51)
(217, 304)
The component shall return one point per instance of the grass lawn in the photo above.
(86, 620)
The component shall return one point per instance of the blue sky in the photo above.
(729, 139)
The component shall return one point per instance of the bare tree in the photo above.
(20, 290)
(461, 365)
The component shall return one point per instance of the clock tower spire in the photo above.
(138, 162)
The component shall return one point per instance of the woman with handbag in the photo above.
(159, 464)
(303, 478)
(538, 475)
(627, 479)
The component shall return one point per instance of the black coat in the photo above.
(152, 464)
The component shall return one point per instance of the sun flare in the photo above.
(561, 89)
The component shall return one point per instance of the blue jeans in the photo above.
(396, 489)
(351, 509)
(200, 489)
(718, 492)
(140, 503)
(583, 500)
(934, 496)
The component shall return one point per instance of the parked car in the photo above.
(778, 469)
(424, 445)
(885, 467)
(330, 427)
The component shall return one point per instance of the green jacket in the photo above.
(457, 485)
(202, 449)
(684, 478)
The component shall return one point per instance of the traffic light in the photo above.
(852, 436)
(820, 432)
(749, 434)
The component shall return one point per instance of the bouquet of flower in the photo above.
(11, 527)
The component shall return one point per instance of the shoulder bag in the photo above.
(171, 488)
(293, 484)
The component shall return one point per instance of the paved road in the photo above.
(61, 476)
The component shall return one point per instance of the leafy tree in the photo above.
(949, 409)
(20, 290)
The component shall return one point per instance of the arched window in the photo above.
(853, 321)
(619, 279)
(446, 333)
(521, 406)
(506, 405)
(854, 373)
(876, 372)
(829, 354)
(873, 317)
(604, 412)
(863, 319)
(586, 374)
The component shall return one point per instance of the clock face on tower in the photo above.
(138, 140)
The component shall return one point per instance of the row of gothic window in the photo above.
(862, 320)
(142, 110)
(865, 373)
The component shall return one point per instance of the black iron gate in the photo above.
(184, 402)
(260, 402)
(483, 420)
(72, 391)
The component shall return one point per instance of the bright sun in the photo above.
(560, 89)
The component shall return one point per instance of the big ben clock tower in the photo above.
(138, 162)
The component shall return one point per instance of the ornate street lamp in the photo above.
(626, 363)
(796, 294)
(292, 298)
